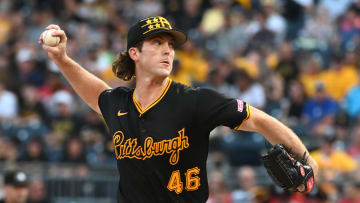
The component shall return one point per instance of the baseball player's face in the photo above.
(157, 55)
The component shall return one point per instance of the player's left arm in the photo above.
(276, 133)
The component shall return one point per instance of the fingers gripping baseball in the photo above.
(56, 49)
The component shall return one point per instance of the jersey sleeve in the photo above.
(105, 104)
(109, 102)
(215, 109)
(104, 100)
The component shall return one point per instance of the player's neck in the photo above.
(148, 90)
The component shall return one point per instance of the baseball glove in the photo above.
(287, 172)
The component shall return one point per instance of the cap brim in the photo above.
(179, 36)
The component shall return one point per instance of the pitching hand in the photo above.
(57, 52)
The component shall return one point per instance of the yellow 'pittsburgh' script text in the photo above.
(130, 149)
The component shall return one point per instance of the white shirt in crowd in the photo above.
(8, 104)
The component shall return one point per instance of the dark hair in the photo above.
(123, 66)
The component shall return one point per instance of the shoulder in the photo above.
(118, 91)
(181, 89)
(120, 94)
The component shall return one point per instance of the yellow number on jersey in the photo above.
(192, 180)
(175, 183)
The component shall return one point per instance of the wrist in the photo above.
(61, 59)
(314, 165)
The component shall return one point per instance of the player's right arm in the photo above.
(85, 84)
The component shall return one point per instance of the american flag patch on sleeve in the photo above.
(240, 105)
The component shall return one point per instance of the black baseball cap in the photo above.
(16, 178)
(152, 26)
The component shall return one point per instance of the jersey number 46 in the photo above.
(192, 180)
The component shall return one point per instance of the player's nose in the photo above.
(166, 49)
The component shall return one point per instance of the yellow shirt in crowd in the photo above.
(338, 82)
(192, 67)
(338, 160)
(309, 82)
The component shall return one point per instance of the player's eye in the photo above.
(157, 42)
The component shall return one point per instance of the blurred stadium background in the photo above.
(298, 60)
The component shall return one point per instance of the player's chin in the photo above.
(163, 71)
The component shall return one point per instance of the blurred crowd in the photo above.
(297, 60)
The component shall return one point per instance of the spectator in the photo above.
(8, 103)
(310, 72)
(318, 196)
(31, 106)
(332, 162)
(294, 13)
(246, 180)
(250, 91)
(319, 111)
(351, 103)
(297, 98)
(15, 187)
(319, 28)
(351, 193)
(8, 150)
(349, 27)
(5, 74)
(287, 66)
(274, 21)
(55, 144)
(37, 192)
(74, 151)
(33, 116)
(354, 148)
(146, 8)
(34, 151)
(263, 38)
(219, 191)
(274, 86)
(28, 71)
(339, 78)
(335, 8)
(217, 80)
(233, 39)
(193, 64)
(214, 17)
(64, 119)
(189, 15)
(178, 75)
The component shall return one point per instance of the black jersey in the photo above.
(161, 151)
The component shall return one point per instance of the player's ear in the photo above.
(134, 53)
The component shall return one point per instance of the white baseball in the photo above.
(50, 40)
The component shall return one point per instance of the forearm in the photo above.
(277, 133)
(85, 84)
